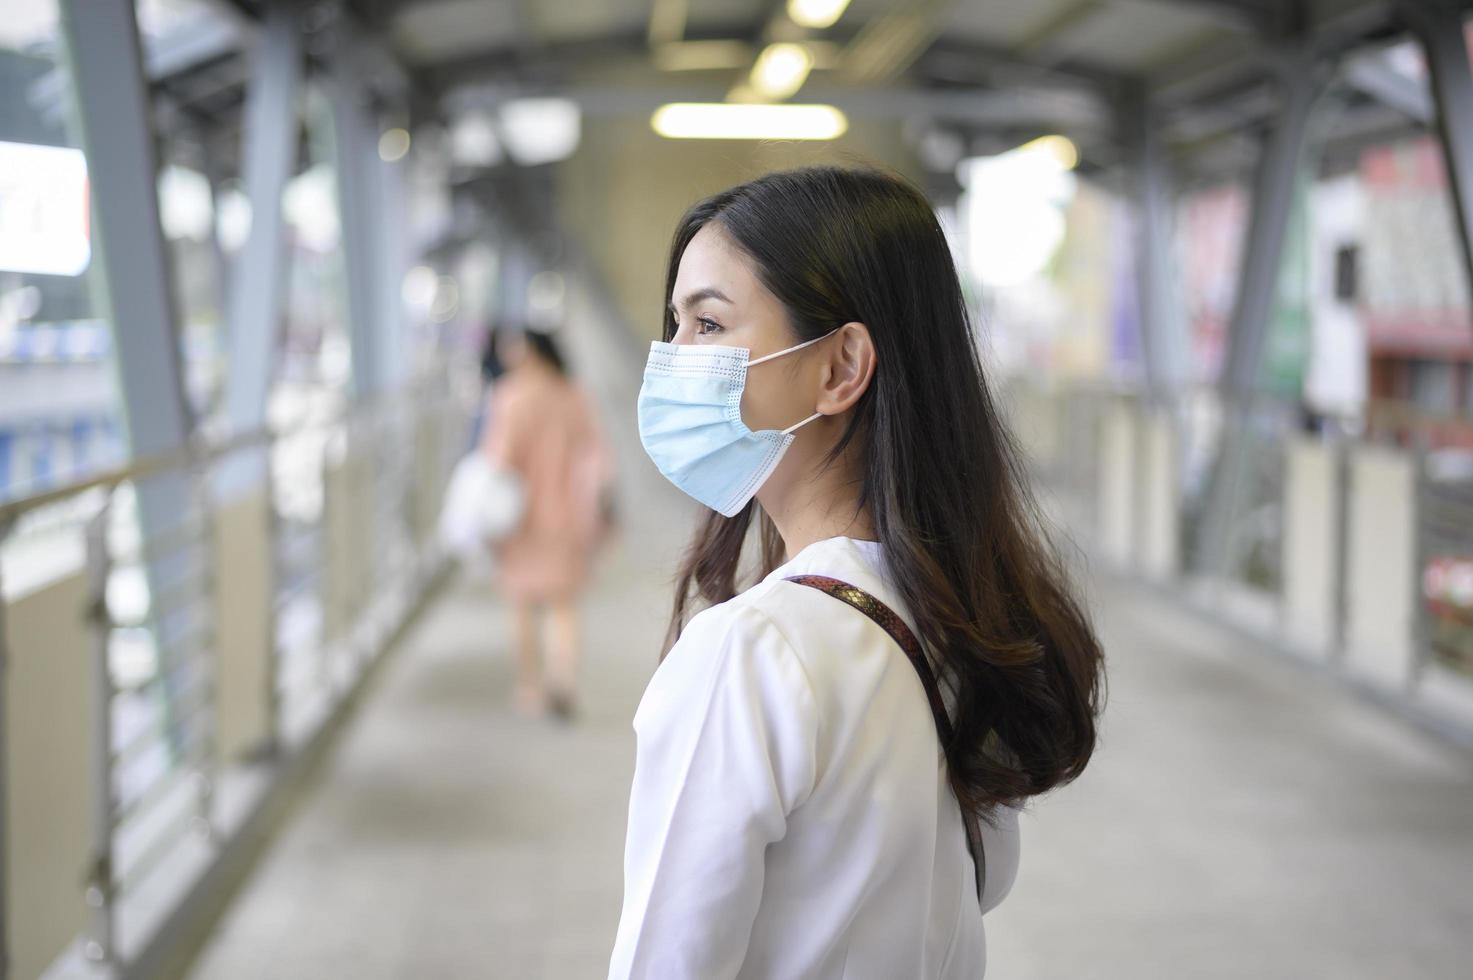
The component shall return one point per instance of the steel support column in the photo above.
(1150, 186)
(355, 142)
(392, 254)
(1439, 26)
(135, 285)
(257, 283)
(135, 288)
(117, 133)
(1301, 81)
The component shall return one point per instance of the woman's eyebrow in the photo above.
(694, 297)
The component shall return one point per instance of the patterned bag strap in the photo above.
(886, 619)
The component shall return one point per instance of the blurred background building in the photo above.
(1220, 253)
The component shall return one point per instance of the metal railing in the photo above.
(346, 502)
(1391, 501)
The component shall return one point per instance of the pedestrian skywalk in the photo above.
(1244, 817)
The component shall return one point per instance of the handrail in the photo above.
(307, 679)
(196, 450)
(145, 466)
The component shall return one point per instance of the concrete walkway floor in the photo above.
(1243, 818)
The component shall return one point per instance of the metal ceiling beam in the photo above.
(1057, 28)
(191, 46)
(667, 21)
(1244, 108)
(950, 59)
(551, 60)
(1372, 75)
(1085, 111)
(200, 45)
(1234, 62)
(886, 47)
(944, 56)
(1258, 17)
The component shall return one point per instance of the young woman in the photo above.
(830, 763)
(542, 426)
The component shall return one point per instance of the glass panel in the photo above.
(58, 400)
(187, 208)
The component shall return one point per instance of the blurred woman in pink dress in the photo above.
(542, 426)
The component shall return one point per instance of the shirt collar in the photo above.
(820, 556)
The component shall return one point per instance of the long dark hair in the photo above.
(546, 347)
(966, 546)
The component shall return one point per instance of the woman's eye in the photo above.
(705, 326)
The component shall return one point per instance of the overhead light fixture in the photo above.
(540, 130)
(393, 144)
(781, 69)
(1060, 149)
(723, 121)
(473, 141)
(817, 14)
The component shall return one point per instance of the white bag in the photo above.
(483, 504)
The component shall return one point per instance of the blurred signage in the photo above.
(43, 210)
(1414, 292)
(1211, 226)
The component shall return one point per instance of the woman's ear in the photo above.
(848, 368)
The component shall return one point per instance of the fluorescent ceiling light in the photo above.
(723, 121)
(781, 69)
(816, 13)
(540, 130)
(1059, 149)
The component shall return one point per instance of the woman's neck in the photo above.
(537, 366)
(822, 502)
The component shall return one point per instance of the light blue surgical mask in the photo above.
(690, 422)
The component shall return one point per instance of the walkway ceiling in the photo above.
(993, 72)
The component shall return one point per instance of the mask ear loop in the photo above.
(794, 428)
(806, 343)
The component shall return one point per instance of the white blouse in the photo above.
(790, 815)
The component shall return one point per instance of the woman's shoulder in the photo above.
(768, 625)
(769, 605)
(836, 646)
(732, 649)
(744, 621)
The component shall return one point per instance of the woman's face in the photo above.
(718, 299)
